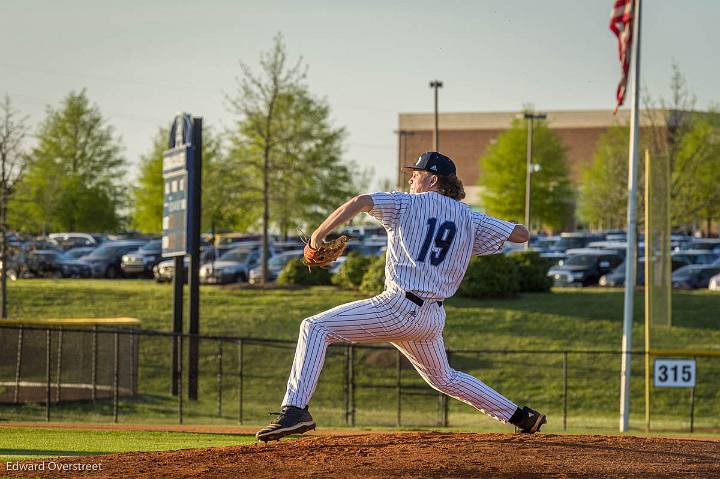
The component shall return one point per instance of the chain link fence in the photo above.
(126, 375)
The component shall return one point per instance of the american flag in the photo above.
(621, 23)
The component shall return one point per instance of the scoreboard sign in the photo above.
(674, 373)
(175, 201)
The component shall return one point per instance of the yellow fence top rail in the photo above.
(78, 322)
(685, 353)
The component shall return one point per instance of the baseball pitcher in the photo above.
(431, 238)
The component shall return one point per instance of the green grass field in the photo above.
(587, 319)
(17, 444)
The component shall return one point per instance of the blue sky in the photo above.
(142, 61)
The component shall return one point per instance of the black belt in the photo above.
(417, 299)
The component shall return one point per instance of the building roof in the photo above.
(501, 120)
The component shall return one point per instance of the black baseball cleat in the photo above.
(290, 420)
(527, 420)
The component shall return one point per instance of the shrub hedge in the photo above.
(296, 272)
(533, 271)
(373, 281)
(495, 276)
(352, 271)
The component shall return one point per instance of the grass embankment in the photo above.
(18, 444)
(588, 319)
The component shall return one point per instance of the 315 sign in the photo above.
(674, 373)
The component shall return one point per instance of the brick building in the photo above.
(465, 137)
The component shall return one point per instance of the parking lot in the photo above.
(574, 259)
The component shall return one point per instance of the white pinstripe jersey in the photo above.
(430, 241)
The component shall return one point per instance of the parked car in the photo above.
(365, 232)
(616, 277)
(164, 271)
(366, 248)
(67, 241)
(77, 253)
(694, 256)
(553, 258)
(714, 283)
(705, 244)
(584, 267)
(275, 265)
(54, 264)
(16, 266)
(543, 244)
(694, 276)
(232, 267)
(141, 262)
(573, 240)
(105, 260)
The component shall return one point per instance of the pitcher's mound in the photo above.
(424, 454)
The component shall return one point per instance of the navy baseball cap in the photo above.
(435, 163)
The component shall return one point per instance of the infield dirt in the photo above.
(420, 454)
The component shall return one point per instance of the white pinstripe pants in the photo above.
(389, 317)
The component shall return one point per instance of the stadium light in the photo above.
(436, 133)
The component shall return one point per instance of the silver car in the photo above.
(275, 265)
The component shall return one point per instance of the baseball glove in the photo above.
(325, 254)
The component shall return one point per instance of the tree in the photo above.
(690, 140)
(75, 174)
(602, 201)
(13, 161)
(284, 149)
(503, 178)
(147, 196)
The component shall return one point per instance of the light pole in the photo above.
(402, 155)
(531, 168)
(435, 84)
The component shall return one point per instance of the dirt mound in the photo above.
(421, 454)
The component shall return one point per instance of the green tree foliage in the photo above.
(602, 202)
(75, 175)
(148, 194)
(688, 139)
(285, 146)
(503, 178)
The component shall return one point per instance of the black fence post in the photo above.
(116, 376)
(240, 381)
(219, 377)
(443, 402)
(565, 390)
(93, 369)
(58, 379)
(48, 345)
(18, 365)
(692, 400)
(351, 365)
(179, 375)
(398, 388)
(194, 228)
(133, 362)
(178, 291)
(346, 384)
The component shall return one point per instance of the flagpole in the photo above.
(631, 253)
